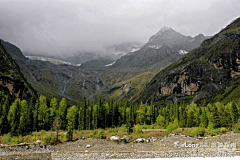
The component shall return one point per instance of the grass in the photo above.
(135, 81)
(139, 131)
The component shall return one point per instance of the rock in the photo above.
(154, 139)
(38, 142)
(140, 140)
(199, 137)
(125, 136)
(123, 140)
(114, 138)
(172, 134)
(88, 146)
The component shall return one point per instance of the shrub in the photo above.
(137, 129)
(172, 126)
(213, 132)
(48, 137)
(101, 134)
(223, 130)
(194, 132)
(6, 139)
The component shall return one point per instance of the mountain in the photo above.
(103, 75)
(204, 72)
(162, 49)
(12, 80)
(128, 76)
(118, 50)
(54, 77)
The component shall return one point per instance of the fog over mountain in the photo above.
(60, 27)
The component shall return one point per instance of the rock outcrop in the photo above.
(202, 72)
(12, 80)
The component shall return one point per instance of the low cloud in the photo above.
(60, 27)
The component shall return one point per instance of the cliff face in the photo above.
(202, 72)
(12, 80)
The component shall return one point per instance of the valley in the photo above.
(72, 87)
(123, 78)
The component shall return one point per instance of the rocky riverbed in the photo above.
(168, 146)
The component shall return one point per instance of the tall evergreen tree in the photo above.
(63, 112)
(14, 117)
(25, 124)
(71, 120)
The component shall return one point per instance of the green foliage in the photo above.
(22, 117)
(63, 112)
(198, 131)
(48, 137)
(14, 116)
(223, 130)
(161, 121)
(172, 126)
(101, 134)
(71, 120)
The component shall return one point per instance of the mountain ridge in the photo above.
(202, 72)
(161, 50)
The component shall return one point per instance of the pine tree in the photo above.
(43, 115)
(14, 117)
(53, 110)
(203, 118)
(63, 112)
(71, 120)
(234, 113)
(84, 110)
(25, 119)
(35, 116)
(4, 127)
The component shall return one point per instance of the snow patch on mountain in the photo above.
(135, 49)
(182, 52)
(155, 47)
(51, 60)
(108, 65)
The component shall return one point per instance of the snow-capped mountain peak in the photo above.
(161, 32)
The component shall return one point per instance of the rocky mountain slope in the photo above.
(202, 72)
(123, 79)
(12, 80)
(162, 49)
(59, 79)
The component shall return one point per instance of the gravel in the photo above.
(104, 149)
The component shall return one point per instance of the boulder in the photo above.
(154, 139)
(114, 138)
(38, 142)
(88, 146)
(140, 140)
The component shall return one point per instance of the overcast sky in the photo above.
(68, 26)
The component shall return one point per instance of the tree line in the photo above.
(22, 117)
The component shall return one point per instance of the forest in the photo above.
(22, 117)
